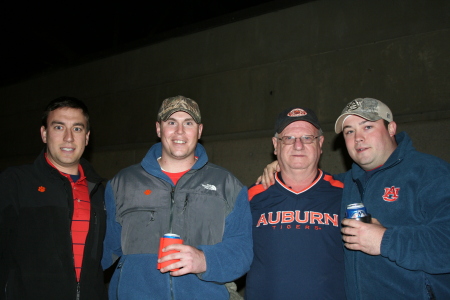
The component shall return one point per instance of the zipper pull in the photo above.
(185, 202)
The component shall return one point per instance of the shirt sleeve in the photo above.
(231, 258)
(8, 216)
(424, 242)
(111, 246)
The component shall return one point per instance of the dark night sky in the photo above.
(39, 36)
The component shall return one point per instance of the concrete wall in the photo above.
(321, 55)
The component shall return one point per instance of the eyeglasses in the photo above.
(290, 140)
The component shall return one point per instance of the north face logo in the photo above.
(391, 194)
(209, 187)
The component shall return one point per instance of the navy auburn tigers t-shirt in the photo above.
(297, 244)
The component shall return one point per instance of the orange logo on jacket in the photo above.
(41, 189)
(391, 194)
(147, 192)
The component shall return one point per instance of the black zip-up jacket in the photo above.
(36, 256)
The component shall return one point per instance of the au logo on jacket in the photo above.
(391, 194)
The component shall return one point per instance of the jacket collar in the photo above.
(41, 164)
(151, 165)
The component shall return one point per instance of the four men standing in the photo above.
(52, 218)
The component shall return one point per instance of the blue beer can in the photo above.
(356, 210)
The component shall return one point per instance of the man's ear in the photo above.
(87, 137)
(158, 129)
(200, 130)
(275, 143)
(392, 128)
(44, 134)
(321, 140)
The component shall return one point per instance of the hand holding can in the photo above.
(358, 211)
(166, 240)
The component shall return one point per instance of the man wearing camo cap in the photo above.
(176, 190)
(404, 253)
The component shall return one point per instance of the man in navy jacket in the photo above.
(404, 253)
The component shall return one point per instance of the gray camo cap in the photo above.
(367, 108)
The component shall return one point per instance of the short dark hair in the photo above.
(65, 101)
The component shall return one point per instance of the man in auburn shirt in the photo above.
(297, 246)
(52, 219)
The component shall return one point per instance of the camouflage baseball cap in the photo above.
(179, 103)
(367, 108)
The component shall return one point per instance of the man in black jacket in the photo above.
(52, 218)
